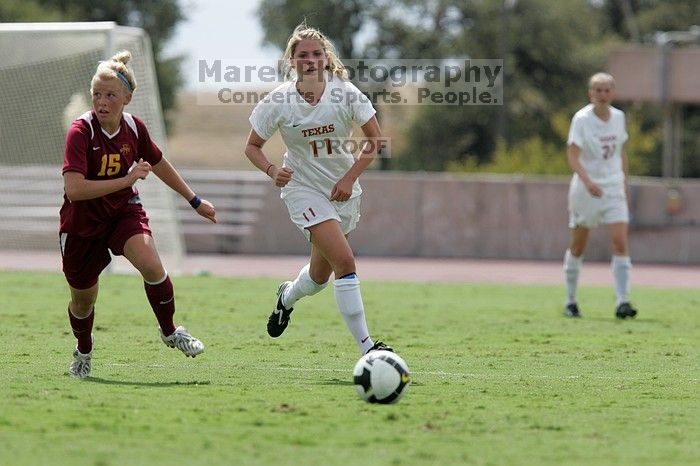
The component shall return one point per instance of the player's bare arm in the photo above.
(254, 152)
(343, 188)
(623, 156)
(573, 152)
(78, 188)
(168, 175)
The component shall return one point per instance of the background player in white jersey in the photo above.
(314, 112)
(598, 191)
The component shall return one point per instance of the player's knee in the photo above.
(152, 273)
(82, 306)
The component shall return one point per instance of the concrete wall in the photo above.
(490, 216)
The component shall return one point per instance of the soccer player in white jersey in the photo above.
(598, 191)
(313, 112)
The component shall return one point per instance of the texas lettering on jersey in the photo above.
(325, 129)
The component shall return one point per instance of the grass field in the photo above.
(499, 377)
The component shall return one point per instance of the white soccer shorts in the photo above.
(308, 208)
(588, 211)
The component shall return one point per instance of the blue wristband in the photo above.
(195, 201)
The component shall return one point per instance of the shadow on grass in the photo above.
(145, 384)
(333, 382)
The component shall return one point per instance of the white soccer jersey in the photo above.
(314, 134)
(601, 144)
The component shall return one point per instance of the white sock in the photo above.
(621, 266)
(302, 286)
(572, 267)
(349, 299)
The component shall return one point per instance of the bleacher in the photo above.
(32, 197)
(238, 199)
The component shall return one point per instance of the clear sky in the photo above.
(228, 30)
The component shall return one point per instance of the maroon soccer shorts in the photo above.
(85, 258)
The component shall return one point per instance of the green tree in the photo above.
(548, 50)
(26, 10)
(341, 20)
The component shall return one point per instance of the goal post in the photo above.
(45, 72)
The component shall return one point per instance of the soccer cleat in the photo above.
(80, 367)
(571, 310)
(625, 310)
(379, 345)
(279, 319)
(183, 341)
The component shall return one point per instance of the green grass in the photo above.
(499, 377)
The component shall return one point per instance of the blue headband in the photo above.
(124, 80)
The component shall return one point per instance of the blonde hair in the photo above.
(115, 68)
(601, 78)
(301, 32)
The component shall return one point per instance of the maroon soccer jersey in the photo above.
(100, 156)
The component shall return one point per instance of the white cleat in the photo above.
(183, 341)
(81, 365)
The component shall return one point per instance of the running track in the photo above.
(400, 269)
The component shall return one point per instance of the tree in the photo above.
(26, 10)
(548, 50)
(340, 19)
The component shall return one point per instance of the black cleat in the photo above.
(571, 310)
(379, 345)
(279, 319)
(625, 310)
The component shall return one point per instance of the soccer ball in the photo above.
(381, 377)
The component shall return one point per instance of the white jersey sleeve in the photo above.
(576, 131)
(265, 118)
(360, 106)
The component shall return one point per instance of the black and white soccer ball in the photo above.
(381, 377)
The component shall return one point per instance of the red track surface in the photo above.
(401, 269)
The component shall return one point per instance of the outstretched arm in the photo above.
(167, 173)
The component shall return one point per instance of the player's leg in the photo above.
(140, 250)
(573, 260)
(584, 212)
(621, 266)
(312, 278)
(81, 314)
(83, 260)
(332, 244)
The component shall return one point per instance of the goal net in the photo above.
(45, 72)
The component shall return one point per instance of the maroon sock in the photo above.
(162, 299)
(82, 329)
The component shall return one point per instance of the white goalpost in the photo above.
(45, 72)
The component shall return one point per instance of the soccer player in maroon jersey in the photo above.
(107, 152)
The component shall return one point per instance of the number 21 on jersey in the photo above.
(111, 164)
(608, 151)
